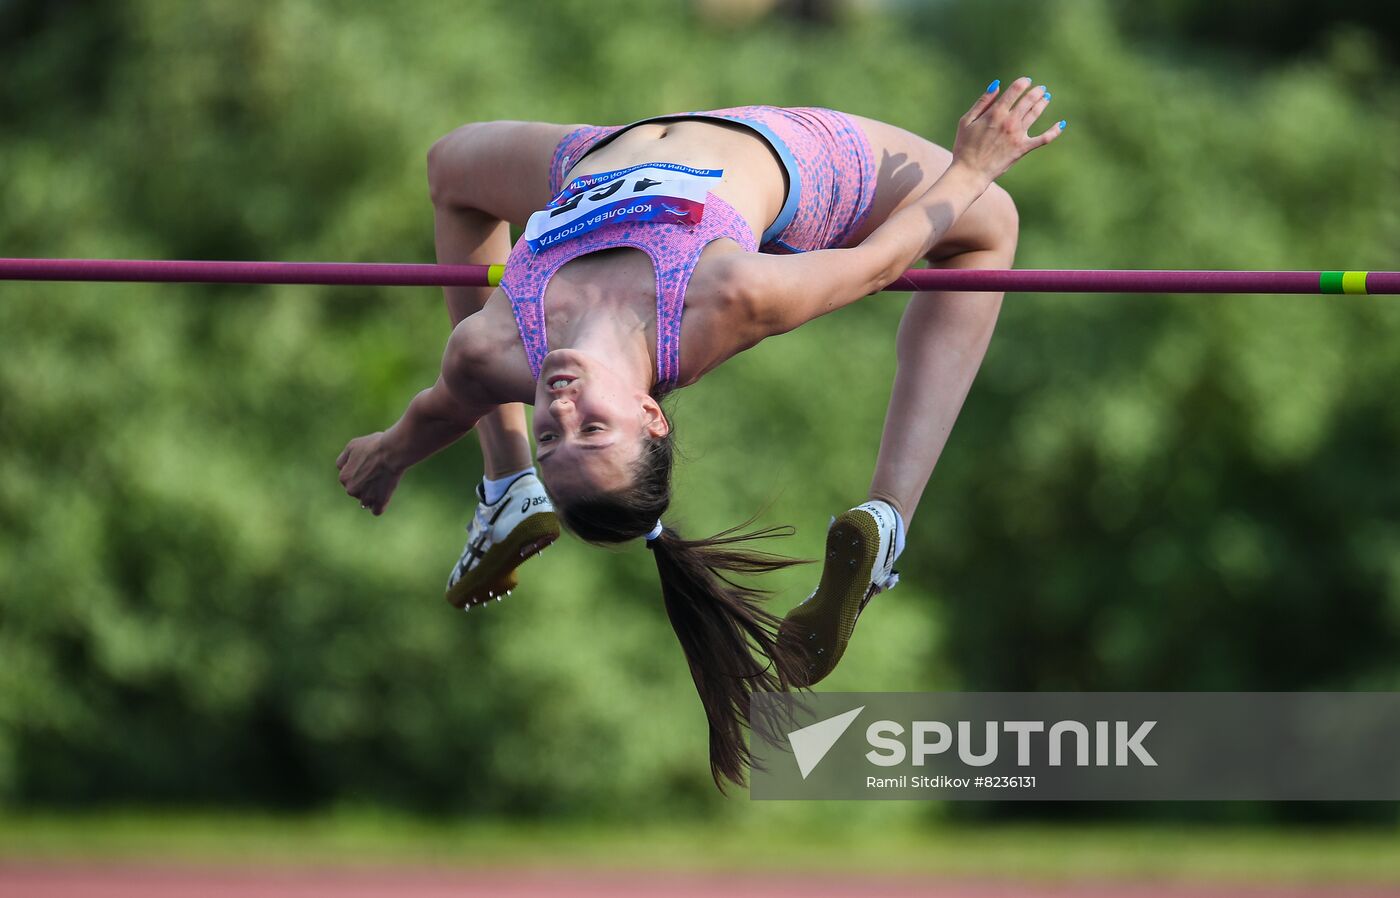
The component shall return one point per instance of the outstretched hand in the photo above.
(995, 131)
(366, 473)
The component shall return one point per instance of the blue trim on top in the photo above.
(779, 146)
(794, 194)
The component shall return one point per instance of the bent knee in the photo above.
(991, 223)
(1001, 215)
(450, 161)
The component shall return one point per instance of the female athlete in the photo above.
(741, 224)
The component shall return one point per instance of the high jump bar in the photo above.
(380, 274)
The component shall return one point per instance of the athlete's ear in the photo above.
(654, 418)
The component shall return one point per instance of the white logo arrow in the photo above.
(811, 743)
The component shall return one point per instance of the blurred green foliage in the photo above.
(1143, 492)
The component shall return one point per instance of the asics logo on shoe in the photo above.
(532, 501)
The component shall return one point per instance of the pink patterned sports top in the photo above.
(674, 250)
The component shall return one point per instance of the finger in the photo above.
(340, 459)
(1035, 110)
(984, 101)
(1009, 96)
(1027, 101)
(1055, 131)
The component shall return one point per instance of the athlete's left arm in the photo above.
(371, 466)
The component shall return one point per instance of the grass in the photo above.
(1039, 852)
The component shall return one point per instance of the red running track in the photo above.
(127, 881)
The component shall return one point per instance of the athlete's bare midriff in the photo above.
(753, 183)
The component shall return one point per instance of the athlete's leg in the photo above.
(942, 339)
(943, 335)
(482, 177)
(940, 345)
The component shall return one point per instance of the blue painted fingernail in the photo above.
(1063, 123)
(1047, 95)
(994, 85)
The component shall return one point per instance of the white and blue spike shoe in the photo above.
(500, 538)
(859, 565)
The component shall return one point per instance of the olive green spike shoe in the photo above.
(859, 565)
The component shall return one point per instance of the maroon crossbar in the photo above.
(379, 274)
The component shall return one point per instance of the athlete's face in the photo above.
(590, 424)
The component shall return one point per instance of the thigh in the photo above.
(500, 168)
(907, 166)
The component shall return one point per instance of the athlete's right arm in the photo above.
(779, 293)
(784, 292)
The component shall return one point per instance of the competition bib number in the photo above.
(652, 191)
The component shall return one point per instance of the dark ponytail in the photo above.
(719, 622)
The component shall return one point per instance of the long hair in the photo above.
(718, 621)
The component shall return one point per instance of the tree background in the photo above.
(1143, 492)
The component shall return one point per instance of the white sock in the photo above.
(495, 489)
(898, 525)
(898, 531)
